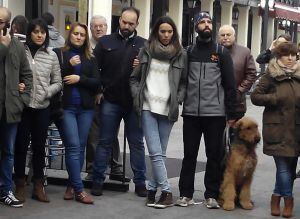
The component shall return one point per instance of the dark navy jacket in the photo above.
(115, 57)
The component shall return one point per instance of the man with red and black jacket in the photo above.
(115, 54)
(210, 102)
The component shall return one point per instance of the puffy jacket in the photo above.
(279, 93)
(177, 81)
(15, 70)
(46, 77)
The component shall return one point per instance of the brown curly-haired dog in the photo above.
(240, 166)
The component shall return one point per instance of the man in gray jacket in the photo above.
(210, 102)
(15, 86)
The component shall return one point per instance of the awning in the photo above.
(286, 12)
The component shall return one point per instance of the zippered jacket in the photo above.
(46, 77)
(211, 89)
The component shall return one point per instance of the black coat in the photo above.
(88, 84)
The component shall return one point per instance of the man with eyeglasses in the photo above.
(115, 54)
(98, 27)
(209, 103)
(15, 87)
(243, 64)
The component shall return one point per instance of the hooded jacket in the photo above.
(55, 38)
(279, 92)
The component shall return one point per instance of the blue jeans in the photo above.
(157, 129)
(8, 132)
(285, 175)
(110, 118)
(75, 129)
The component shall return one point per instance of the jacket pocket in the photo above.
(272, 129)
(17, 104)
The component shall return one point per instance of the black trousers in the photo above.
(33, 127)
(212, 128)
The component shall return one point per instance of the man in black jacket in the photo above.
(115, 54)
(210, 101)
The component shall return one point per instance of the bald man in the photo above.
(15, 86)
(243, 64)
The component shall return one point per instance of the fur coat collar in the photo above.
(279, 73)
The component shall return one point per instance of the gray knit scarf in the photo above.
(162, 52)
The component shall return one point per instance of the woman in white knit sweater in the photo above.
(158, 87)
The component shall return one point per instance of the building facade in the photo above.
(246, 16)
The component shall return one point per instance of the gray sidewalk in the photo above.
(127, 205)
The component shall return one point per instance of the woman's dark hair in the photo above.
(31, 27)
(86, 45)
(287, 37)
(19, 25)
(285, 49)
(154, 37)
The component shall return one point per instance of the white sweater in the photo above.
(157, 90)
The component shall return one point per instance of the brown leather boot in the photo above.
(39, 191)
(20, 189)
(275, 205)
(288, 207)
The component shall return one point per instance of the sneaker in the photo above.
(165, 200)
(184, 202)
(11, 200)
(151, 198)
(97, 189)
(212, 203)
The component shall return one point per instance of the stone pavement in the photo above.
(117, 205)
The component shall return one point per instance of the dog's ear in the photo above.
(238, 124)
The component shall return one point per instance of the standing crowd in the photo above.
(87, 85)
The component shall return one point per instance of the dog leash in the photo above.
(226, 139)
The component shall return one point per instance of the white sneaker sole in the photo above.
(158, 206)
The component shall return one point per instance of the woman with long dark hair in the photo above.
(158, 87)
(35, 118)
(81, 82)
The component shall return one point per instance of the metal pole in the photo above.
(265, 31)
